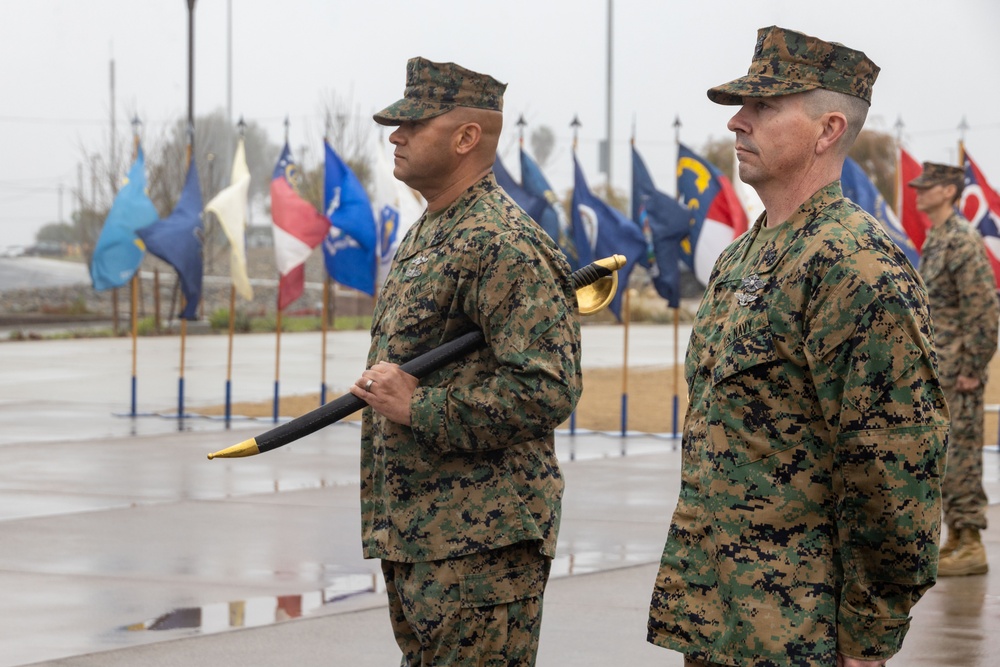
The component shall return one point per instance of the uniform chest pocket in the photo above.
(414, 313)
(751, 399)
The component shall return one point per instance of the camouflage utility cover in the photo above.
(435, 88)
(809, 509)
(786, 62)
(477, 470)
(935, 174)
(961, 291)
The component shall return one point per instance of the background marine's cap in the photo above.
(786, 62)
(436, 88)
(938, 174)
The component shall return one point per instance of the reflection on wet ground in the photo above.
(255, 612)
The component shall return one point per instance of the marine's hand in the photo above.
(844, 661)
(964, 383)
(388, 390)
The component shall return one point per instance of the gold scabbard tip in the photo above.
(614, 262)
(245, 448)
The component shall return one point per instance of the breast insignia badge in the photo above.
(751, 283)
(413, 269)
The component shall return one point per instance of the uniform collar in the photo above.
(430, 233)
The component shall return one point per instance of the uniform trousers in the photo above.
(483, 609)
(962, 489)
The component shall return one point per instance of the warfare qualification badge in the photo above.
(751, 283)
(414, 270)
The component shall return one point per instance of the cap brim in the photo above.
(732, 93)
(404, 110)
(920, 182)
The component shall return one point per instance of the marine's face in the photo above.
(423, 154)
(935, 197)
(775, 138)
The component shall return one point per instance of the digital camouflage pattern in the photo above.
(480, 609)
(435, 88)
(477, 469)
(933, 174)
(962, 295)
(809, 511)
(786, 62)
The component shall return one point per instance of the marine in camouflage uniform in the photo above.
(809, 510)
(463, 504)
(961, 289)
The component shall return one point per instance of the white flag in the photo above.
(230, 207)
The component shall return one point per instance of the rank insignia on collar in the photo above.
(770, 256)
(752, 283)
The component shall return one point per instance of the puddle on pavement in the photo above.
(267, 610)
(258, 611)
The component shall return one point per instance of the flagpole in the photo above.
(626, 307)
(677, 318)
(229, 354)
(326, 299)
(241, 127)
(277, 357)
(575, 124)
(897, 193)
(136, 125)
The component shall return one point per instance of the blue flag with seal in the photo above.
(600, 231)
(664, 224)
(119, 251)
(178, 239)
(859, 188)
(350, 248)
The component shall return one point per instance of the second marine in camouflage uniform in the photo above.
(961, 290)
(809, 511)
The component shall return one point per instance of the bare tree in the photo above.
(720, 153)
(543, 141)
(875, 152)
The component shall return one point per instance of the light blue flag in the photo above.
(350, 249)
(860, 189)
(600, 231)
(178, 241)
(119, 251)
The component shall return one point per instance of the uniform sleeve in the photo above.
(874, 370)
(525, 306)
(977, 303)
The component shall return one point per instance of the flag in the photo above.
(553, 220)
(664, 223)
(350, 246)
(395, 207)
(533, 205)
(230, 207)
(600, 231)
(177, 240)
(916, 223)
(981, 206)
(298, 228)
(119, 251)
(718, 215)
(860, 189)
(747, 195)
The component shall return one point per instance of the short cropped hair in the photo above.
(820, 101)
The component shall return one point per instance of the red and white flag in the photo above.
(914, 222)
(298, 228)
(981, 206)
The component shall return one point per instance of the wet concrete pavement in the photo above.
(120, 544)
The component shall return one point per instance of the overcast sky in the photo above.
(939, 63)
